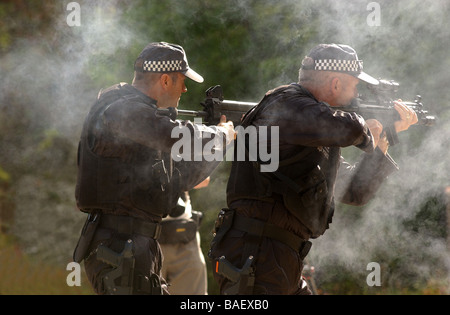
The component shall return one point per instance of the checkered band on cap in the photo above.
(338, 65)
(163, 66)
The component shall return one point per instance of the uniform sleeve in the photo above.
(193, 173)
(195, 149)
(143, 124)
(309, 123)
(357, 184)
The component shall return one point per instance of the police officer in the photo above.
(127, 177)
(263, 237)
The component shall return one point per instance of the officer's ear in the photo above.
(335, 86)
(165, 81)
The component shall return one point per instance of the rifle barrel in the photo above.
(239, 104)
(192, 113)
(379, 111)
(225, 106)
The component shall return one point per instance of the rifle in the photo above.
(378, 103)
(214, 106)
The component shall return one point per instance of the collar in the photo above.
(132, 90)
(304, 90)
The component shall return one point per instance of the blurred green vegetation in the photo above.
(51, 74)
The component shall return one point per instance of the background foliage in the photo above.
(51, 73)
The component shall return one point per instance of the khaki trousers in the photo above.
(184, 268)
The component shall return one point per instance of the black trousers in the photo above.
(278, 268)
(146, 250)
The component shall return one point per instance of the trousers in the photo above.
(184, 268)
(278, 267)
(146, 252)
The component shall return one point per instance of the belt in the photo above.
(129, 225)
(260, 228)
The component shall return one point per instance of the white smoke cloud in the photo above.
(50, 71)
(48, 75)
(381, 231)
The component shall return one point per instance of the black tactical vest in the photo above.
(299, 180)
(143, 179)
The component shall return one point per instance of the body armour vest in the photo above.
(302, 180)
(134, 177)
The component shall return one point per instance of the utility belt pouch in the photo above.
(222, 225)
(87, 234)
(178, 231)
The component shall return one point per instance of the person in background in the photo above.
(184, 266)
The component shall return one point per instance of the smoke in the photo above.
(98, 39)
(50, 71)
(402, 40)
(394, 229)
(55, 76)
(403, 228)
(50, 78)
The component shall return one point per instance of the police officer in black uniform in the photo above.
(127, 177)
(263, 237)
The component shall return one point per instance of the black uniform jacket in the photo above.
(126, 163)
(311, 135)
